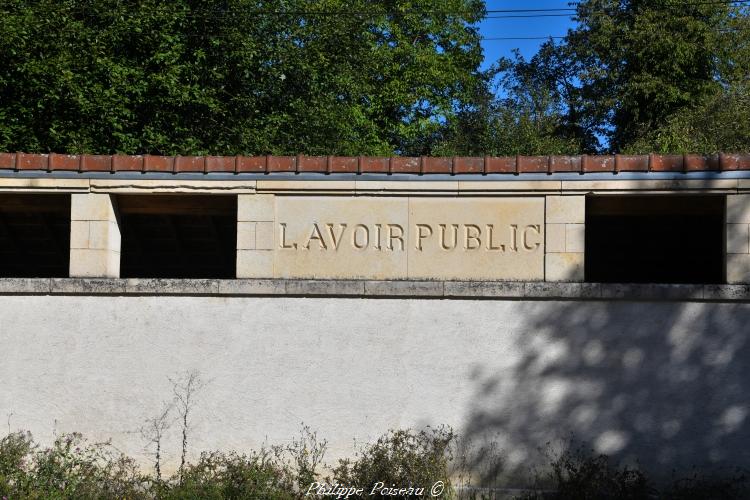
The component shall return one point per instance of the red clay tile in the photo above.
(184, 164)
(371, 164)
(282, 164)
(405, 165)
(733, 161)
(531, 164)
(342, 164)
(564, 164)
(96, 163)
(666, 163)
(468, 165)
(312, 164)
(500, 165)
(7, 160)
(123, 163)
(160, 164)
(436, 165)
(255, 164)
(25, 161)
(220, 164)
(631, 163)
(598, 163)
(64, 162)
(701, 162)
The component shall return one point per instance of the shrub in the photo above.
(217, 475)
(402, 458)
(699, 486)
(580, 474)
(70, 468)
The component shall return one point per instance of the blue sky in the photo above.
(521, 27)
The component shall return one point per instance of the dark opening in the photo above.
(655, 239)
(34, 235)
(178, 236)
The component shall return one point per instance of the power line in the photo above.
(493, 38)
(490, 13)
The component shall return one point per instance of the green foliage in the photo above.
(15, 448)
(699, 486)
(528, 121)
(719, 123)
(233, 76)
(71, 468)
(582, 475)
(403, 458)
(74, 469)
(630, 66)
(217, 475)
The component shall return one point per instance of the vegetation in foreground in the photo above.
(74, 469)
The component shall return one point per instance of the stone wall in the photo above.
(663, 382)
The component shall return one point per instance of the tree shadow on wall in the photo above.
(663, 384)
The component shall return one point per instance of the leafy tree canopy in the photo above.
(234, 76)
(367, 77)
(633, 75)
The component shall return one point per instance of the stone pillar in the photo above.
(565, 218)
(255, 237)
(94, 237)
(738, 238)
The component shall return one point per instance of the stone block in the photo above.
(172, 286)
(726, 292)
(87, 286)
(738, 238)
(246, 235)
(738, 268)
(566, 209)
(88, 263)
(325, 287)
(91, 206)
(476, 239)
(104, 236)
(738, 209)
(255, 207)
(341, 237)
(254, 264)
(252, 287)
(264, 236)
(24, 285)
(404, 288)
(555, 238)
(562, 290)
(483, 289)
(564, 266)
(651, 291)
(79, 234)
(575, 238)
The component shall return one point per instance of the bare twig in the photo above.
(153, 431)
(185, 388)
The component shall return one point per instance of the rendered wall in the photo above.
(664, 382)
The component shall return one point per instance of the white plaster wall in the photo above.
(665, 383)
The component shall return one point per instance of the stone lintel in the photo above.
(496, 290)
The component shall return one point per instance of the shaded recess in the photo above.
(655, 239)
(34, 235)
(178, 236)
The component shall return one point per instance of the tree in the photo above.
(234, 76)
(630, 65)
(719, 123)
(522, 117)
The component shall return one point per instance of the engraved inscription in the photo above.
(447, 237)
(337, 237)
